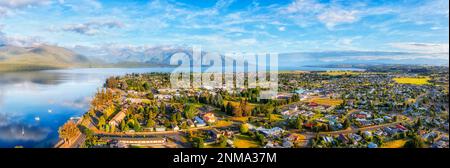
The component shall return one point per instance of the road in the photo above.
(79, 141)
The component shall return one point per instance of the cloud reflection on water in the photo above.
(10, 131)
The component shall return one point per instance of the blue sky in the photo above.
(229, 25)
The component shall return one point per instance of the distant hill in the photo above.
(159, 55)
(13, 58)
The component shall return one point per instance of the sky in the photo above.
(282, 26)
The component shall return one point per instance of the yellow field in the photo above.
(337, 73)
(239, 119)
(292, 72)
(276, 117)
(411, 101)
(326, 101)
(242, 141)
(394, 144)
(301, 136)
(413, 81)
(222, 123)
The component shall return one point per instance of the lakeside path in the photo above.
(102, 133)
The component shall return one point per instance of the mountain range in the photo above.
(44, 56)
(14, 58)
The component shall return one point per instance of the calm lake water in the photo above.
(34, 104)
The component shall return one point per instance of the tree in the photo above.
(261, 138)
(150, 95)
(184, 125)
(112, 82)
(237, 112)
(218, 100)
(150, 123)
(223, 141)
(299, 123)
(419, 123)
(179, 118)
(123, 126)
(223, 108)
(101, 123)
(198, 142)
(140, 110)
(68, 131)
(112, 128)
(229, 109)
(244, 128)
(123, 85)
(109, 111)
(163, 108)
(173, 118)
(189, 112)
(346, 123)
(269, 116)
(107, 128)
(276, 111)
(146, 86)
(415, 142)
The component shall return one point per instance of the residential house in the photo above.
(209, 117)
(160, 129)
(343, 139)
(115, 121)
(372, 145)
(199, 122)
(328, 139)
(355, 137)
(275, 131)
(293, 108)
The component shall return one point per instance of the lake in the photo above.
(33, 105)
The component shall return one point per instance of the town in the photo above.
(387, 108)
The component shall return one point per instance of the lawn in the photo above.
(214, 145)
(412, 80)
(327, 101)
(183, 139)
(244, 141)
(394, 144)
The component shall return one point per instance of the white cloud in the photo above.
(7, 7)
(22, 3)
(389, 56)
(334, 17)
(22, 41)
(282, 28)
(303, 6)
(93, 28)
(304, 12)
(81, 5)
(423, 47)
